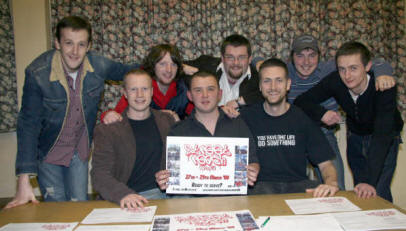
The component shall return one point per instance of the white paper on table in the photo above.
(113, 228)
(321, 205)
(118, 215)
(319, 222)
(230, 221)
(372, 220)
(207, 165)
(39, 226)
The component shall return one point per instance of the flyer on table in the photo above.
(228, 220)
(207, 165)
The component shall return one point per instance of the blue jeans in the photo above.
(60, 183)
(153, 194)
(337, 160)
(268, 187)
(357, 148)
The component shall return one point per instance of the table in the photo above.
(259, 205)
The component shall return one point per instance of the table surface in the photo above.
(260, 205)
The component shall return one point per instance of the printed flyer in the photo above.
(207, 165)
(235, 220)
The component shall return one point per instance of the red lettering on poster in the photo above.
(208, 156)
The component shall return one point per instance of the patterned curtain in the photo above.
(124, 30)
(8, 80)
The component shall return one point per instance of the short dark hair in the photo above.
(134, 72)
(235, 40)
(157, 53)
(76, 23)
(202, 74)
(274, 62)
(353, 47)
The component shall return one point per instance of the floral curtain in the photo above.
(124, 30)
(8, 80)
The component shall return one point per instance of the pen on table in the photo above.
(266, 221)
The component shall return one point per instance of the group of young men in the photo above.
(63, 87)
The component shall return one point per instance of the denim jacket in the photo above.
(45, 102)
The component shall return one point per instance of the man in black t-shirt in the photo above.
(286, 140)
(128, 153)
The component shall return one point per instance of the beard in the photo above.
(277, 102)
(235, 76)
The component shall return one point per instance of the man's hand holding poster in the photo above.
(207, 165)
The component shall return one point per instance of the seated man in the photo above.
(127, 154)
(372, 119)
(286, 139)
(208, 120)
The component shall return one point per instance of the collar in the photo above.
(248, 73)
(355, 96)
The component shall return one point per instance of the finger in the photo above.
(310, 190)
(11, 204)
(122, 204)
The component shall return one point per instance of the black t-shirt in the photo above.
(148, 154)
(285, 143)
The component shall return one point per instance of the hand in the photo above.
(189, 70)
(172, 113)
(331, 118)
(252, 173)
(232, 104)
(162, 178)
(323, 190)
(24, 193)
(133, 202)
(384, 82)
(230, 111)
(365, 191)
(112, 117)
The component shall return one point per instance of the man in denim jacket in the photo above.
(59, 105)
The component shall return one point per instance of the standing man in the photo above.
(208, 120)
(128, 153)
(58, 112)
(286, 139)
(372, 119)
(238, 80)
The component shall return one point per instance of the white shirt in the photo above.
(230, 92)
(355, 96)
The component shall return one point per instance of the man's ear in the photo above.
(189, 95)
(57, 45)
(288, 83)
(88, 46)
(368, 66)
(124, 92)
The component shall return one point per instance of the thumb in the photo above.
(376, 86)
(34, 200)
(310, 190)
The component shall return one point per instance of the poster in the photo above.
(234, 220)
(207, 165)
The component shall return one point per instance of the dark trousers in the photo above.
(268, 187)
(357, 148)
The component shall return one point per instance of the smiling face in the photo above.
(274, 85)
(165, 70)
(205, 93)
(306, 62)
(138, 92)
(73, 45)
(353, 72)
(236, 61)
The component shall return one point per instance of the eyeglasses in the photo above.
(230, 58)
